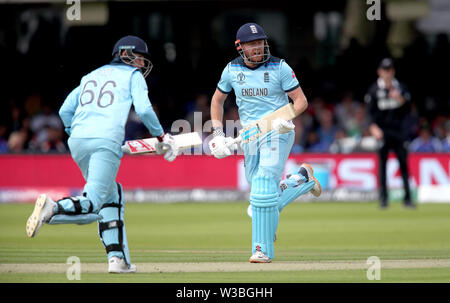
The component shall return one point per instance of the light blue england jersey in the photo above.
(259, 91)
(99, 106)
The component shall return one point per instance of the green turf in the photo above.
(208, 232)
(413, 275)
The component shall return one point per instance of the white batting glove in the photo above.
(218, 146)
(229, 143)
(167, 146)
(282, 126)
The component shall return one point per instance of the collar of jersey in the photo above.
(252, 68)
(117, 60)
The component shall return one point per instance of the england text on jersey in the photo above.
(255, 92)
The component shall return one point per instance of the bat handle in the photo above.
(126, 149)
(234, 141)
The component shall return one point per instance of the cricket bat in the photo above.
(148, 145)
(264, 125)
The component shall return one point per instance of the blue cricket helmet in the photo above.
(131, 42)
(251, 32)
(133, 45)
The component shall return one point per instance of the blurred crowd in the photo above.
(33, 128)
(339, 127)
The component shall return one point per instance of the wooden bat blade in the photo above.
(264, 125)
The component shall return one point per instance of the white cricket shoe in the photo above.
(259, 257)
(118, 265)
(317, 189)
(43, 211)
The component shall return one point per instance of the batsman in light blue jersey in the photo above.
(262, 84)
(94, 115)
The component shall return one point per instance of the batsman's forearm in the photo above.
(217, 116)
(300, 105)
(217, 102)
(299, 98)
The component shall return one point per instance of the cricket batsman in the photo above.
(262, 84)
(94, 115)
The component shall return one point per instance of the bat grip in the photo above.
(234, 141)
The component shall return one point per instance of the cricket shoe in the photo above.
(259, 257)
(307, 171)
(118, 265)
(43, 211)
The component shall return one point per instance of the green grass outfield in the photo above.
(314, 240)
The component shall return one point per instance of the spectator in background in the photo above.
(355, 124)
(20, 140)
(54, 142)
(231, 119)
(16, 142)
(438, 127)
(297, 147)
(33, 105)
(342, 143)
(326, 131)
(201, 106)
(411, 123)
(41, 125)
(16, 116)
(426, 142)
(3, 139)
(345, 112)
(315, 106)
(312, 143)
(446, 140)
(362, 125)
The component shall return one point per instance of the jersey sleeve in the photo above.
(224, 84)
(143, 106)
(371, 104)
(289, 81)
(69, 107)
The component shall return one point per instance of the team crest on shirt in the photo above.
(241, 78)
(266, 77)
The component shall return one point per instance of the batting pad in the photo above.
(264, 225)
(264, 191)
(112, 228)
(264, 200)
(292, 192)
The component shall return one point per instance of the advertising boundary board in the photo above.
(344, 177)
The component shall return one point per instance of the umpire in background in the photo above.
(388, 104)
